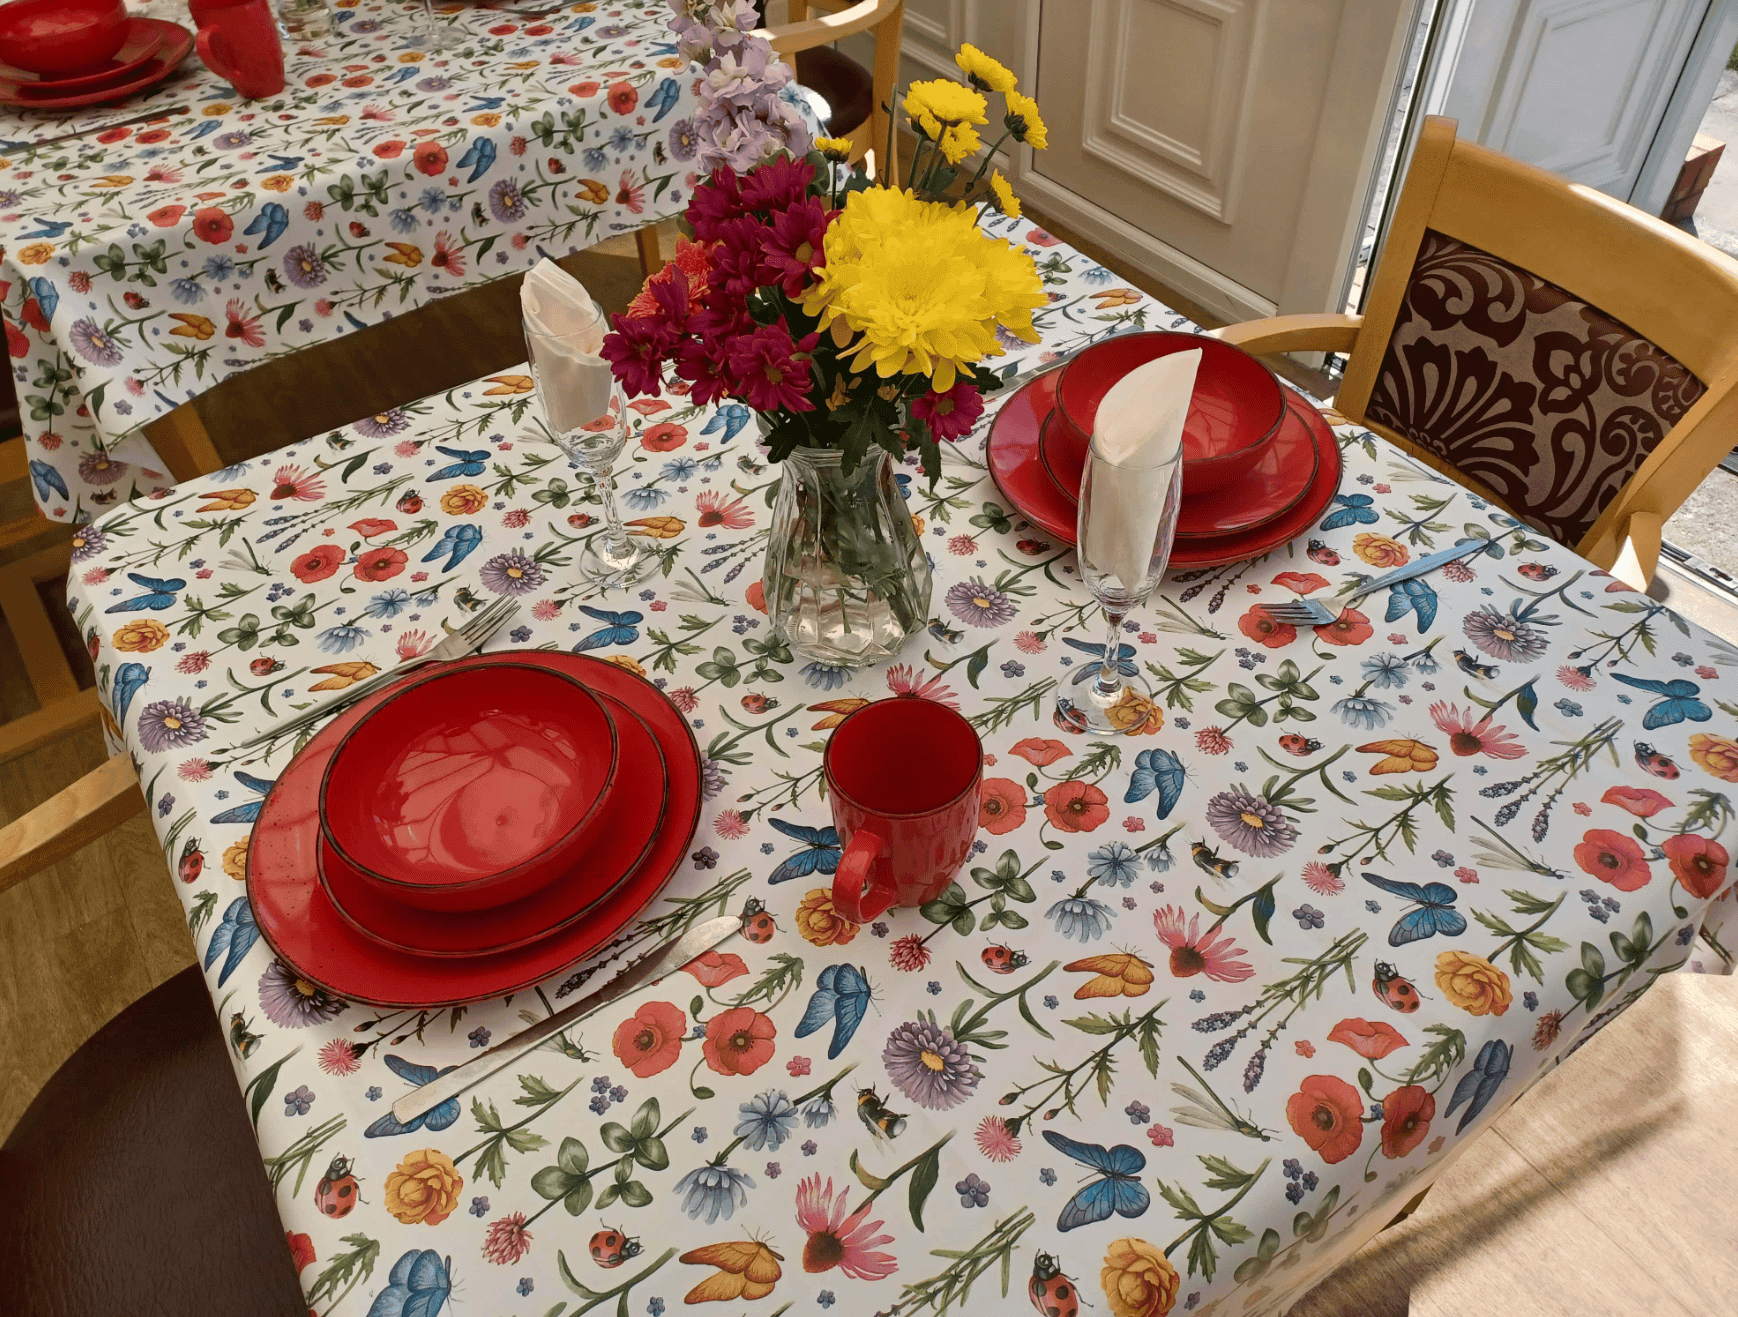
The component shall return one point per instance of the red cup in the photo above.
(904, 777)
(238, 41)
(58, 37)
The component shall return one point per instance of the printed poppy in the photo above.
(317, 563)
(1076, 806)
(1406, 1116)
(380, 563)
(1327, 1113)
(738, 1041)
(1039, 751)
(713, 968)
(1259, 625)
(1698, 863)
(1613, 857)
(649, 1041)
(1350, 628)
(1370, 1039)
(1643, 802)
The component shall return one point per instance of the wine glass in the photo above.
(439, 36)
(1127, 517)
(610, 557)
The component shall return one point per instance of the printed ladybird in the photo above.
(758, 703)
(1398, 992)
(1294, 744)
(1051, 1292)
(1004, 960)
(611, 1248)
(1536, 571)
(410, 503)
(757, 924)
(1321, 553)
(336, 1194)
(1652, 761)
(1032, 548)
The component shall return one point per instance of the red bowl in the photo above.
(471, 788)
(1235, 413)
(61, 36)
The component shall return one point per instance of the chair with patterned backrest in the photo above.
(1555, 351)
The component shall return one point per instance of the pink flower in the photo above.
(777, 184)
(769, 370)
(1576, 679)
(1643, 802)
(413, 644)
(684, 698)
(1705, 672)
(909, 953)
(546, 610)
(508, 1240)
(950, 414)
(514, 518)
(96, 576)
(798, 1066)
(730, 824)
(1469, 737)
(293, 482)
(1212, 741)
(1040, 751)
(1029, 642)
(718, 509)
(1133, 824)
(1583, 808)
(1467, 875)
(1304, 1048)
(1322, 880)
(637, 349)
(996, 1141)
(193, 770)
(717, 200)
(838, 1240)
(962, 546)
(1192, 952)
(338, 1057)
(1161, 1136)
(714, 968)
(1458, 571)
(902, 679)
(791, 248)
(196, 661)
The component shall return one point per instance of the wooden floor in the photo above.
(1609, 1189)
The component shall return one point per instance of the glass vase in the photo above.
(846, 580)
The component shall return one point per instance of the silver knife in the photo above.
(643, 972)
(1419, 566)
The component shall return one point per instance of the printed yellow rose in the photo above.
(37, 253)
(217, 109)
(917, 523)
(1025, 123)
(141, 637)
(235, 861)
(984, 72)
(411, 57)
(344, 674)
(463, 500)
(486, 120)
(1138, 1279)
(820, 924)
(227, 500)
(424, 1190)
(1135, 714)
(1716, 755)
(277, 183)
(1380, 551)
(1006, 201)
(623, 661)
(1473, 983)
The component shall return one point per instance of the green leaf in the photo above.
(615, 1136)
(1094, 1023)
(573, 1158)
(870, 1179)
(635, 1194)
(923, 1180)
(610, 1193)
(259, 1089)
(487, 1118)
(646, 1119)
(1180, 1201)
(1592, 960)
(1225, 1176)
(552, 1182)
(651, 1153)
(525, 1140)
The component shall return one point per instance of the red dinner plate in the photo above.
(145, 36)
(301, 925)
(177, 45)
(1019, 473)
(1282, 475)
(637, 810)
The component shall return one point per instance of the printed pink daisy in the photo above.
(293, 482)
(1161, 1136)
(962, 546)
(838, 1240)
(546, 610)
(413, 644)
(338, 1057)
(903, 679)
(1576, 679)
(193, 770)
(909, 953)
(730, 824)
(1193, 953)
(508, 1240)
(1467, 737)
(684, 698)
(717, 510)
(1322, 880)
(996, 1141)
(1029, 642)
(1212, 741)
(197, 661)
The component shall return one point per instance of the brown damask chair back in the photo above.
(1558, 352)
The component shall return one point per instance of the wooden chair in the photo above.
(857, 100)
(1559, 353)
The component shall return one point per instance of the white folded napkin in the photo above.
(564, 331)
(1137, 440)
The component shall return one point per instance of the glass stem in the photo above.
(1109, 673)
(615, 536)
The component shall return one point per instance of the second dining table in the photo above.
(1210, 1002)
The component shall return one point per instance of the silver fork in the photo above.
(1312, 612)
(466, 640)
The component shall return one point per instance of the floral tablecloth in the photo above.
(1208, 1005)
(141, 265)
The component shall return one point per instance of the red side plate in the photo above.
(111, 85)
(145, 36)
(300, 923)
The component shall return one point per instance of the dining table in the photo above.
(1209, 1003)
(146, 257)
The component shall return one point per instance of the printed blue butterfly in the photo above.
(159, 594)
(417, 1286)
(664, 99)
(459, 541)
(841, 997)
(249, 812)
(479, 157)
(45, 478)
(466, 462)
(1355, 510)
(1125, 659)
(232, 939)
(1156, 770)
(1118, 1191)
(129, 677)
(417, 1075)
(272, 220)
(1680, 702)
(1433, 915)
(820, 851)
(47, 296)
(730, 418)
(619, 628)
(903, 480)
(1413, 596)
(1481, 1083)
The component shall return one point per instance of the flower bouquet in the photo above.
(851, 314)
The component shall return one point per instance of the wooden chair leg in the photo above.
(181, 441)
(46, 666)
(98, 802)
(49, 723)
(1409, 1209)
(651, 255)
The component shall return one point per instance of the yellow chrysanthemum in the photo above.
(941, 101)
(982, 72)
(834, 148)
(914, 287)
(1006, 201)
(959, 142)
(1025, 122)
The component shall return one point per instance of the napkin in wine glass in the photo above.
(1137, 439)
(564, 330)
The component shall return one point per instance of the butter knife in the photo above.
(643, 972)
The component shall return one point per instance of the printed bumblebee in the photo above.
(1208, 861)
(241, 1036)
(1467, 663)
(876, 1117)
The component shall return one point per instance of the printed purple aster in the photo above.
(87, 542)
(94, 344)
(303, 266)
(1250, 824)
(294, 1003)
(979, 604)
(507, 201)
(383, 425)
(1504, 636)
(928, 1065)
(98, 468)
(512, 573)
(170, 725)
(684, 140)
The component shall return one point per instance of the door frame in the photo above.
(1689, 102)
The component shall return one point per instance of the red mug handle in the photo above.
(849, 898)
(209, 56)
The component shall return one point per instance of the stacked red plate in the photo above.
(1037, 455)
(468, 832)
(150, 52)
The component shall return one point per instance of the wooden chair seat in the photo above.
(133, 1182)
(842, 90)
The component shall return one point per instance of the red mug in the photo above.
(238, 41)
(904, 777)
